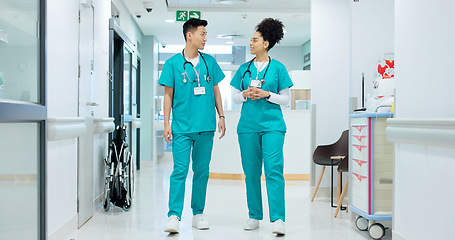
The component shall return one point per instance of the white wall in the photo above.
(291, 57)
(330, 68)
(62, 101)
(330, 52)
(149, 78)
(425, 58)
(101, 58)
(424, 89)
(62, 95)
(423, 177)
(372, 34)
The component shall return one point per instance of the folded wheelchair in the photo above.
(119, 173)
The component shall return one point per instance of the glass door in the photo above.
(120, 65)
(127, 115)
(22, 120)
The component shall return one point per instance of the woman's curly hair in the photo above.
(271, 30)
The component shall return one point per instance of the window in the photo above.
(22, 119)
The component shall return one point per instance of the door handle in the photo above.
(93, 104)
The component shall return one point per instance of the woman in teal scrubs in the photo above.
(262, 85)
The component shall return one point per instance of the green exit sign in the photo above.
(183, 16)
(194, 14)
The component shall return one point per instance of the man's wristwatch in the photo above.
(268, 96)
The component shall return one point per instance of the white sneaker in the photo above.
(199, 222)
(251, 224)
(172, 225)
(278, 227)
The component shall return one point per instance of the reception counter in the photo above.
(226, 162)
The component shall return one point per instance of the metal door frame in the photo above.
(85, 145)
(118, 41)
(138, 113)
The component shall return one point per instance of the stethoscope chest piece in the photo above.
(257, 83)
(185, 74)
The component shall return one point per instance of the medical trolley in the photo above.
(371, 160)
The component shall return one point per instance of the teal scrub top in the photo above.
(261, 115)
(192, 113)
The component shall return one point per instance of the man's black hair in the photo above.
(192, 24)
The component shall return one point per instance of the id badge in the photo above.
(256, 83)
(199, 91)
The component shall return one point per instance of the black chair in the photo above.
(331, 155)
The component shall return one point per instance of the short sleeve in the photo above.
(167, 75)
(284, 79)
(235, 82)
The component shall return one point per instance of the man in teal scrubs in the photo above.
(191, 82)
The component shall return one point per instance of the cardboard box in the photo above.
(299, 94)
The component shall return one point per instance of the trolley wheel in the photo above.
(361, 223)
(377, 231)
(107, 201)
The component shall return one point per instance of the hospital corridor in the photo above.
(225, 210)
(227, 119)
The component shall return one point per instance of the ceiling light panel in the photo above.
(231, 2)
(188, 3)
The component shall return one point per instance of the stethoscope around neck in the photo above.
(207, 78)
(248, 71)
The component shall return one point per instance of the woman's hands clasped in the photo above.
(255, 93)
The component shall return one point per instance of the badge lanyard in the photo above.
(256, 82)
(258, 68)
(197, 90)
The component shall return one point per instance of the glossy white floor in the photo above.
(225, 210)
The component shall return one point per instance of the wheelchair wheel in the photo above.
(132, 173)
(107, 193)
(127, 205)
(117, 189)
(107, 201)
(129, 183)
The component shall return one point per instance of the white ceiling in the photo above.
(238, 19)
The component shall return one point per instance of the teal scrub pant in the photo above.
(199, 145)
(255, 149)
